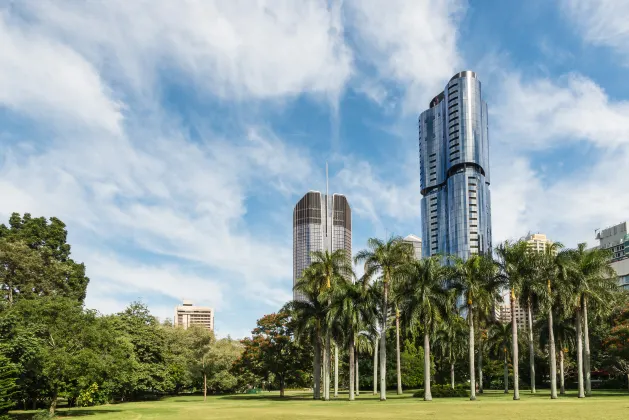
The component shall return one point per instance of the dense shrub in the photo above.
(445, 391)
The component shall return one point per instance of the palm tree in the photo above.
(498, 338)
(310, 314)
(424, 298)
(549, 273)
(450, 340)
(384, 259)
(594, 284)
(477, 278)
(331, 268)
(565, 334)
(515, 265)
(590, 281)
(351, 307)
(364, 344)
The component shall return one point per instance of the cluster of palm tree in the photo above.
(442, 297)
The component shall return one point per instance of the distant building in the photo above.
(537, 241)
(503, 313)
(187, 314)
(616, 239)
(320, 223)
(417, 245)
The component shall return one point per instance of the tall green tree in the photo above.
(49, 238)
(274, 350)
(478, 280)
(424, 301)
(8, 386)
(383, 260)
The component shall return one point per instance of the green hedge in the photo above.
(445, 391)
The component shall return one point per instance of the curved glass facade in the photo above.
(454, 170)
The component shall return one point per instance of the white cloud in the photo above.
(409, 42)
(241, 49)
(601, 22)
(533, 118)
(542, 112)
(44, 78)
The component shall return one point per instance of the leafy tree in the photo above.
(272, 350)
(218, 364)
(413, 375)
(65, 277)
(149, 351)
(8, 378)
(383, 259)
(617, 343)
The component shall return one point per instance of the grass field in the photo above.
(602, 405)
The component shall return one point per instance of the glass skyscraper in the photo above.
(454, 166)
(320, 223)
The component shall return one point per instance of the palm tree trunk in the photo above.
(397, 351)
(580, 354)
(383, 347)
(336, 371)
(375, 367)
(562, 388)
(470, 320)
(351, 369)
(326, 362)
(506, 371)
(586, 359)
(531, 348)
(427, 394)
(452, 374)
(514, 352)
(553, 357)
(357, 378)
(480, 361)
(316, 390)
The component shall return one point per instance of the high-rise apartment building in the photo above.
(417, 245)
(537, 241)
(454, 165)
(188, 314)
(320, 222)
(616, 238)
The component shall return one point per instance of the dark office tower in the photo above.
(454, 165)
(319, 224)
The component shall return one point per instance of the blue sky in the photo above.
(174, 138)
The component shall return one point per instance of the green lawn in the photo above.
(604, 404)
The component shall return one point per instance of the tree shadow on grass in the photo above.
(262, 397)
(63, 413)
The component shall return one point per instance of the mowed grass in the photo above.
(492, 404)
